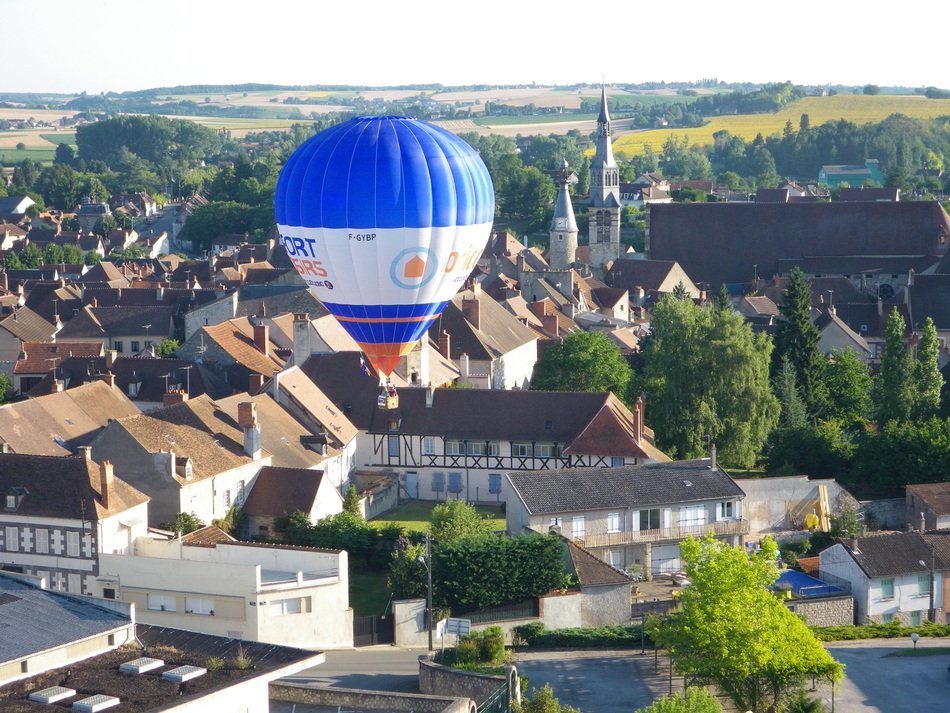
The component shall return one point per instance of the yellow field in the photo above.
(858, 109)
(32, 138)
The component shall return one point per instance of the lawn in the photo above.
(368, 592)
(416, 516)
(11, 155)
(62, 137)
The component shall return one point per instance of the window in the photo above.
(915, 618)
(240, 493)
(42, 540)
(613, 558)
(555, 522)
(482, 448)
(108, 592)
(226, 499)
(521, 450)
(724, 511)
(72, 544)
(12, 539)
(494, 448)
(544, 450)
(613, 522)
(887, 618)
(281, 607)
(494, 483)
(195, 605)
(616, 461)
(650, 519)
(11, 502)
(455, 482)
(135, 346)
(455, 448)
(428, 446)
(887, 588)
(393, 442)
(577, 527)
(923, 584)
(438, 482)
(119, 347)
(161, 602)
(692, 515)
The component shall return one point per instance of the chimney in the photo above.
(880, 307)
(549, 323)
(464, 366)
(255, 382)
(108, 378)
(105, 482)
(712, 456)
(638, 417)
(854, 546)
(262, 338)
(470, 310)
(302, 348)
(5, 448)
(175, 396)
(110, 359)
(86, 452)
(638, 294)
(445, 345)
(923, 523)
(247, 420)
(430, 393)
(57, 386)
(910, 277)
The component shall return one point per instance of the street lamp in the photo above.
(426, 560)
(931, 615)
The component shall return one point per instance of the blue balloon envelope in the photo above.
(384, 218)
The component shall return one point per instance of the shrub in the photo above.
(491, 645)
(214, 663)
(535, 635)
(695, 700)
(880, 631)
(466, 650)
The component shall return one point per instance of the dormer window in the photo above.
(15, 496)
(183, 468)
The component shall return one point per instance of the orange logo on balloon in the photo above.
(415, 268)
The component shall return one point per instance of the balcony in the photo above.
(665, 534)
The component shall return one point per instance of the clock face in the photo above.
(560, 223)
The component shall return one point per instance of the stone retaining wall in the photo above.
(824, 611)
(369, 700)
(441, 680)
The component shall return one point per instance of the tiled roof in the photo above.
(271, 300)
(648, 274)
(498, 332)
(56, 423)
(634, 486)
(207, 536)
(36, 620)
(317, 405)
(591, 570)
(236, 338)
(281, 491)
(28, 326)
(42, 357)
(63, 487)
(935, 495)
(896, 553)
(720, 242)
(930, 297)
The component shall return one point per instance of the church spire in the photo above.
(603, 121)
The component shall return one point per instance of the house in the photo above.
(499, 351)
(834, 334)
(642, 277)
(57, 424)
(96, 658)
(17, 327)
(854, 175)
(10, 234)
(188, 457)
(929, 505)
(929, 296)
(284, 596)
(13, 209)
(279, 492)
(894, 577)
(90, 213)
(83, 628)
(863, 193)
(457, 443)
(633, 517)
(730, 243)
(39, 359)
(59, 513)
(126, 330)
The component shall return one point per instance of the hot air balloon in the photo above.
(384, 218)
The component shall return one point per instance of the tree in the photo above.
(695, 700)
(167, 348)
(184, 523)
(6, 387)
(871, 90)
(64, 154)
(796, 339)
(542, 701)
(457, 519)
(732, 631)
(822, 449)
(104, 226)
(584, 361)
(407, 570)
(719, 392)
(351, 501)
(927, 379)
(893, 396)
(793, 413)
(848, 382)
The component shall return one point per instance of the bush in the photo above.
(466, 650)
(491, 645)
(695, 700)
(535, 635)
(214, 663)
(880, 631)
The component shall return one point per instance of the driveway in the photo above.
(374, 668)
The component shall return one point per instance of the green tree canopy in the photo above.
(793, 414)
(542, 700)
(893, 394)
(796, 339)
(732, 631)
(457, 519)
(927, 379)
(584, 361)
(706, 377)
(695, 700)
(848, 382)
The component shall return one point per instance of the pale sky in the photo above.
(117, 45)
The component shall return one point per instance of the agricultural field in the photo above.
(61, 137)
(11, 155)
(859, 109)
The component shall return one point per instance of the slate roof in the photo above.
(316, 405)
(897, 553)
(62, 487)
(591, 570)
(648, 274)
(34, 620)
(857, 265)
(57, 423)
(719, 242)
(28, 326)
(272, 300)
(236, 338)
(930, 297)
(634, 486)
(829, 318)
(280, 491)
(935, 495)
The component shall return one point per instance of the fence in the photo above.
(519, 610)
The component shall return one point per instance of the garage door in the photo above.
(665, 559)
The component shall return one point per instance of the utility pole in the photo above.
(429, 590)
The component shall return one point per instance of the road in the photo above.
(374, 668)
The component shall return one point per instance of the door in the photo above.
(412, 485)
(665, 559)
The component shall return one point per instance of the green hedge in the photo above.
(536, 636)
(879, 631)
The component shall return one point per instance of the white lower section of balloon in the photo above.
(384, 266)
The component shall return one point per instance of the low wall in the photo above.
(379, 499)
(369, 700)
(824, 611)
(889, 514)
(409, 624)
(781, 503)
(439, 680)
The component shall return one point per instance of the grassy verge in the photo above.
(368, 592)
(416, 516)
(935, 651)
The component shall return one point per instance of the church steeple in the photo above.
(604, 214)
(604, 119)
(563, 231)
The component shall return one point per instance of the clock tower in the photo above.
(604, 213)
(563, 248)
